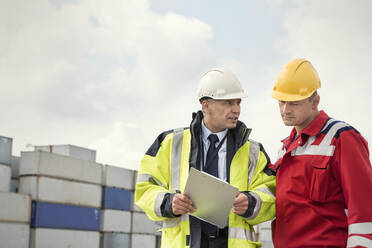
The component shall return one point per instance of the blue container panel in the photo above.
(114, 198)
(52, 215)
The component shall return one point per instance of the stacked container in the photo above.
(117, 192)
(66, 199)
(14, 172)
(264, 234)
(5, 161)
(144, 231)
(14, 220)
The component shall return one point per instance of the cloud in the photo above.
(336, 38)
(81, 71)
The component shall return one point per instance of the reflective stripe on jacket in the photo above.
(324, 185)
(165, 167)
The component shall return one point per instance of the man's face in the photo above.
(221, 114)
(298, 113)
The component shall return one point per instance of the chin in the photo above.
(231, 126)
(288, 123)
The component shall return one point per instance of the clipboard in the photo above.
(212, 197)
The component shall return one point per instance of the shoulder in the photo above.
(336, 128)
(255, 145)
(162, 138)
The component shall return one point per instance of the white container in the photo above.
(143, 240)
(265, 235)
(115, 221)
(5, 176)
(115, 240)
(118, 177)
(5, 150)
(14, 235)
(15, 166)
(61, 191)
(15, 207)
(266, 224)
(14, 185)
(70, 150)
(267, 244)
(142, 224)
(49, 164)
(59, 238)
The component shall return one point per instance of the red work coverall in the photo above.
(324, 187)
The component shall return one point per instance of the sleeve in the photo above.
(152, 192)
(352, 160)
(261, 188)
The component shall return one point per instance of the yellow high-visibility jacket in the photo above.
(164, 170)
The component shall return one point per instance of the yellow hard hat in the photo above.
(298, 80)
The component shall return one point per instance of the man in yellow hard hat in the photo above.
(217, 143)
(324, 175)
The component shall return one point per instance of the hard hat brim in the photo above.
(230, 96)
(289, 97)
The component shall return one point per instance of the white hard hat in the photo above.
(220, 84)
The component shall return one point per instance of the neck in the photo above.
(307, 122)
(211, 127)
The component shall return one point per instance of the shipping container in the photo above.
(14, 235)
(5, 177)
(15, 166)
(15, 207)
(70, 150)
(60, 191)
(118, 177)
(5, 150)
(114, 198)
(143, 241)
(14, 185)
(142, 224)
(49, 164)
(116, 221)
(60, 216)
(116, 240)
(58, 238)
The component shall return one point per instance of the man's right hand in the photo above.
(182, 204)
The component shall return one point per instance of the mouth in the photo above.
(233, 118)
(288, 117)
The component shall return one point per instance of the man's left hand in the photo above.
(241, 203)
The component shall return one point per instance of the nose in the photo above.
(236, 108)
(285, 108)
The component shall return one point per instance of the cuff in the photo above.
(251, 204)
(166, 206)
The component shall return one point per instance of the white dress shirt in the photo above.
(221, 153)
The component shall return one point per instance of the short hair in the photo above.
(313, 95)
(205, 98)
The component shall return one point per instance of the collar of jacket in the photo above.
(236, 137)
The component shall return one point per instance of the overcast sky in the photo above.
(111, 75)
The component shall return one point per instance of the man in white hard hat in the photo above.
(324, 175)
(217, 143)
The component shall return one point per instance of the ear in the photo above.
(205, 105)
(316, 101)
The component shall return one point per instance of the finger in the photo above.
(180, 201)
(179, 210)
(236, 211)
(183, 198)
